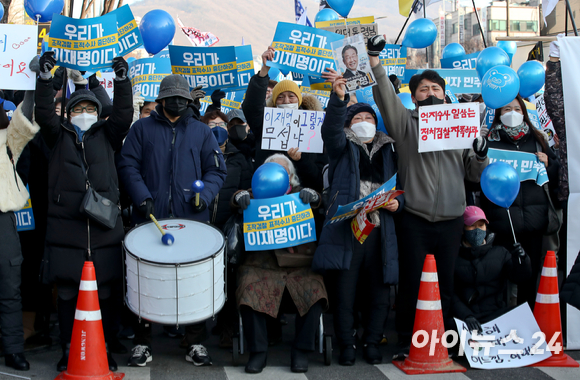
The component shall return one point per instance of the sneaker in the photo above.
(197, 354)
(141, 356)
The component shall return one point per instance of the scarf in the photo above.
(514, 133)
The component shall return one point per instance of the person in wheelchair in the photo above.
(270, 282)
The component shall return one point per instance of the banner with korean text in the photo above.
(466, 61)
(146, 75)
(18, 45)
(233, 100)
(528, 166)
(285, 128)
(279, 222)
(129, 34)
(211, 67)
(448, 126)
(461, 81)
(245, 62)
(85, 44)
(394, 59)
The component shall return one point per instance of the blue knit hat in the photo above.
(358, 108)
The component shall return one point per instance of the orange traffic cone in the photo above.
(88, 355)
(429, 318)
(547, 314)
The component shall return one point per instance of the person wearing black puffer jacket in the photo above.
(82, 145)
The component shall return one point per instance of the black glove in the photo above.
(473, 324)
(217, 96)
(242, 199)
(375, 45)
(480, 147)
(517, 250)
(94, 82)
(199, 208)
(309, 196)
(120, 67)
(47, 63)
(147, 208)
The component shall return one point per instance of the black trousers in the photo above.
(366, 269)
(10, 278)
(256, 332)
(194, 334)
(416, 238)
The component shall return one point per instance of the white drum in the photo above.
(182, 283)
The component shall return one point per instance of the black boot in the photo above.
(299, 360)
(17, 361)
(256, 362)
(112, 362)
(63, 362)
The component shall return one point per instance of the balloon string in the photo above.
(37, 19)
(511, 225)
(157, 224)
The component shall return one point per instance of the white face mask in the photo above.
(364, 130)
(512, 119)
(291, 106)
(84, 121)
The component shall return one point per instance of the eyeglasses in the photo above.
(213, 125)
(89, 109)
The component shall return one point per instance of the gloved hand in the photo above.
(309, 196)
(120, 67)
(480, 147)
(47, 63)
(34, 65)
(484, 132)
(242, 199)
(473, 324)
(198, 93)
(517, 250)
(94, 81)
(375, 45)
(147, 207)
(138, 102)
(199, 208)
(76, 77)
(555, 47)
(217, 96)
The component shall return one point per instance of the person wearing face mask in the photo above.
(81, 146)
(482, 270)
(531, 210)
(431, 222)
(361, 160)
(161, 158)
(241, 136)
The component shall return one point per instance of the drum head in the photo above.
(194, 241)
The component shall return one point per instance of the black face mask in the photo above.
(430, 101)
(175, 105)
(238, 132)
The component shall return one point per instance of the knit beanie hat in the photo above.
(286, 85)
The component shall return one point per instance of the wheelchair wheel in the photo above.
(236, 350)
(327, 350)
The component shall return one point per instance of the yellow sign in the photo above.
(349, 21)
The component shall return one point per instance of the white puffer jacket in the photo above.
(13, 193)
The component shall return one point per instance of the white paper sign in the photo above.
(448, 126)
(285, 129)
(545, 120)
(18, 44)
(352, 61)
(106, 80)
(510, 341)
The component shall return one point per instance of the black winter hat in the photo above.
(358, 108)
(82, 95)
(173, 85)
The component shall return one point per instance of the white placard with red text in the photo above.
(18, 44)
(448, 126)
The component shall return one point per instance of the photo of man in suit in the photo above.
(350, 59)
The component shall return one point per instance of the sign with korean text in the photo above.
(146, 75)
(394, 59)
(544, 119)
(107, 81)
(18, 44)
(286, 128)
(352, 61)
(348, 21)
(510, 341)
(315, 83)
(322, 96)
(461, 81)
(528, 166)
(210, 67)
(245, 62)
(129, 34)
(233, 100)
(466, 61)
(279, 222)
(84, 44)
(365, 30)
(448, 126)
(25, 217)
(302, 49)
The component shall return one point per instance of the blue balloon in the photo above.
(269, 181)
(326, 14)
(453, 50)
(509, 47)
(499, 86)
(406, 100)
(1, 11)
(158, 29)
(273, 73)
(44, 9)
(532, 76)
(9, 107)
(421, 33)
(490, 57)
(342, 7)
(500, 183)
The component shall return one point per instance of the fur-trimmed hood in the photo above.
(309, 102)
(380, 139)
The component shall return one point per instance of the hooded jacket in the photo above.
(161, 160)
(433, 181)
(335, 248)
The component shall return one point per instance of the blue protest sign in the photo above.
(162, 54)
(298, 77)
(279, 222)
(466, 61)
(84, 44)
(233, 100)
(528, 166)
(211, 67)
(129, 34)
(365, 95)
(315, 83)
(394, 59)
(461, 81)
(25, 217)
(302, 49)
(451, 95)
(322, 96)
(146, 75)
(245, 61)
(489, 116)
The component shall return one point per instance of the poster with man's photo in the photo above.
(352, 61)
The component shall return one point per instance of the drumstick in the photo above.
(166, 238)
(197, 187)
